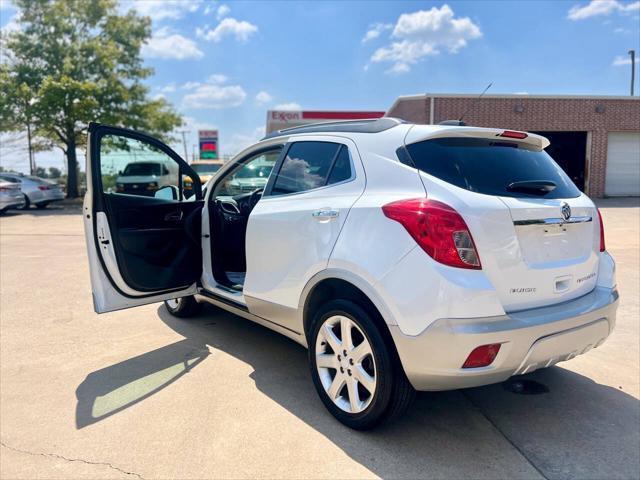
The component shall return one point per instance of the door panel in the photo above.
(290, 237)
(143, 235)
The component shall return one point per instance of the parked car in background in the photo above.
(144, 178)
(10, 196)
(404, 257)
(205, 170)
(35, 191)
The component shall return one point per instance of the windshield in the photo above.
(141, 168)
(488, 166)
(205, 167)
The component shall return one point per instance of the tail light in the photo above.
(438, 229)
(44, 187)
(482, 356)
(5, 189)
(602, 246)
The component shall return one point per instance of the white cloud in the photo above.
(239, 141)
(5, 5)
(217, 78)
(222, 11)
(190, 85)
(619, 61)
(521, 93)
(169, 88)
(228, 27)
(288, 106)
(209, 95)
(160, 10)
(375, 30)
(425, 33)
(168, 45)
(601, 7)
(263, 97)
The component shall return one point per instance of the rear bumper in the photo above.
(530, 339)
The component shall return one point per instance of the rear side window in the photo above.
(310, 165)
(491, 167)
(9, 179)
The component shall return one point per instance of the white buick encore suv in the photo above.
(404, 257)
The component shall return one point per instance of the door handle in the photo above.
(325, 213)
(173, 216)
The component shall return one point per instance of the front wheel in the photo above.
(183, 307)
(359, 380)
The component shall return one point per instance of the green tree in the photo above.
(54, 172)
(73, 62)
(40, 172)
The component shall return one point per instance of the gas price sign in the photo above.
(208, 140)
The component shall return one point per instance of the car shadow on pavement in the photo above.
(579, 429)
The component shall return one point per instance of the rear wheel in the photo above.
(183, 307)
(358, 378)
(42, 205)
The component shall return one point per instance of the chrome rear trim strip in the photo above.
(552, 221)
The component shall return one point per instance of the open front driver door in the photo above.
(141, 227)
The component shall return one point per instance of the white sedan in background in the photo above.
(35, 191)
(10, 196)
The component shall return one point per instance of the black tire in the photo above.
(42, 205)
(27, 203)
(393, 392)
(186, 307)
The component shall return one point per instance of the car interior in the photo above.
(233, 198)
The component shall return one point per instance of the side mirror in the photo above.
(169, 192)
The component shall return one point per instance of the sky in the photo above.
(224, 64)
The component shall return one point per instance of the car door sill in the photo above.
(243, 311)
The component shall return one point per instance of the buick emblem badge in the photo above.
(566, 210)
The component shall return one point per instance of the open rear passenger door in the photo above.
(142, 232)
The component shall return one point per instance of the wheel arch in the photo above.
(338, 284)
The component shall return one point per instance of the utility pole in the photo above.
(193, 152)
(184, 144)
(633, 69)
(32, 163)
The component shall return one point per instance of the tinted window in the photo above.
(305, 167)
(9, 179)
(341, 170)
(488, 166)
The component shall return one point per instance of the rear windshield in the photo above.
(492, 167)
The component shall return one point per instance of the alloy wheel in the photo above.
(345, 364)
(173, 303)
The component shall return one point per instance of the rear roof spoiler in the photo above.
(419, 133)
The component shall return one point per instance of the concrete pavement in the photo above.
(140, 394)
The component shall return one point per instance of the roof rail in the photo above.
(354, 126)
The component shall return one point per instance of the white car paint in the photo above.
(514, 299)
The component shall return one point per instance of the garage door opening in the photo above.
(623, 164)
(569, 150)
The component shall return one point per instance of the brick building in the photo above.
(596, 140)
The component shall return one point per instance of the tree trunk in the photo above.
(72, 169)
